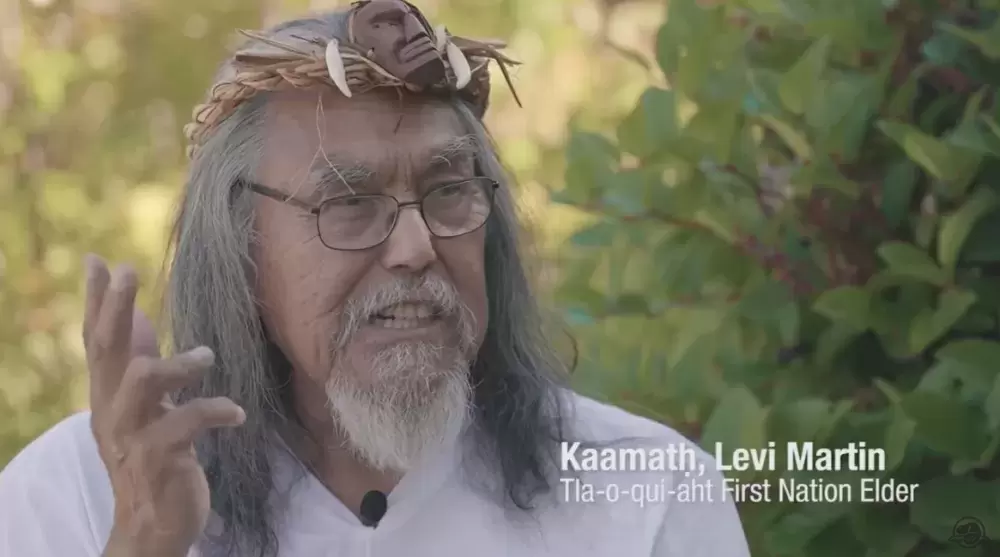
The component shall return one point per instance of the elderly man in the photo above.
(359, 367)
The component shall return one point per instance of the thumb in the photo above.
(144, 342)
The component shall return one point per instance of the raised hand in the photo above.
(146, 442)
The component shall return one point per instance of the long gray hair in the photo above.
(210, 300)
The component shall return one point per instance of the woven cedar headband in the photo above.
(389, 44)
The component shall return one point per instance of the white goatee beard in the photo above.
(416, 397)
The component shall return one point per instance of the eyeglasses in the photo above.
(362, 221)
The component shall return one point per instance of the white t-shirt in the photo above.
(56, 501)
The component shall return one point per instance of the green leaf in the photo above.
(758, 303)
(836, 541)
(591, 163)
(974, 106)
(941, 160)
(798, 528)
(891, 393)
(600, 234)
(823, 172)
(992, 405)
(837, 416)
(981, 353)
(942, 501)
(908, 260)
(690, 377)
(770, 304)
(885, 530)
(900, 106)
(833, 101)
(897, 438)
(991, 124)
(847, 304)
(971, 134)
(667, 50)
(946, 425)
(579, 272)
(651, 125)
(955, 228)
(737, 421)
(953, 378)
(987, 40)
(627, 194)
(900, 430)
(930, 324)
(793, 138)
(972, 138)
(592, 148)
(789, 322)
(833, 340)
(981, 245)
(800, 84)
(930, 153)
(690, 264)
(943, 49)
(897, 191)
(799, 420)
(964, 466)
(840, 116)
(716, 127)
(693, 68)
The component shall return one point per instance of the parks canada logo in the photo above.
(969, 533)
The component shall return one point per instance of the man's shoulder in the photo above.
(56, 483)
(67, 450)
(70, 435)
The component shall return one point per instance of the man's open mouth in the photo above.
(406, 315)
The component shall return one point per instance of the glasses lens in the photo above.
(355, 222)
(458, 208)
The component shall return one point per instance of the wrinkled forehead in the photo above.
(377, 130)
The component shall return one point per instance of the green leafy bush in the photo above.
(797, 240)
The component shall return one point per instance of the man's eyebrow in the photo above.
(333, 176)
(339, 177)
(457, 149)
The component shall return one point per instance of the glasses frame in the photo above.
(317, 209)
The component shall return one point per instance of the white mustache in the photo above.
(429, 289)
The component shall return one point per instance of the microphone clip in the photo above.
(373, 507)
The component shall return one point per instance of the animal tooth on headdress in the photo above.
(459, 65)
(335, 66)
(440, 37)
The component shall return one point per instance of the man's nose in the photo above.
(409, 248)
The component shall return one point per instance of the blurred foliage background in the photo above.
(764, 220)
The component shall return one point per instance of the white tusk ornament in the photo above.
(459, 65)
(441, 36)
(335, 66)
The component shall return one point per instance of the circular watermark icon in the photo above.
(969, 532)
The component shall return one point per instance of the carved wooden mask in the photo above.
(399, 39)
